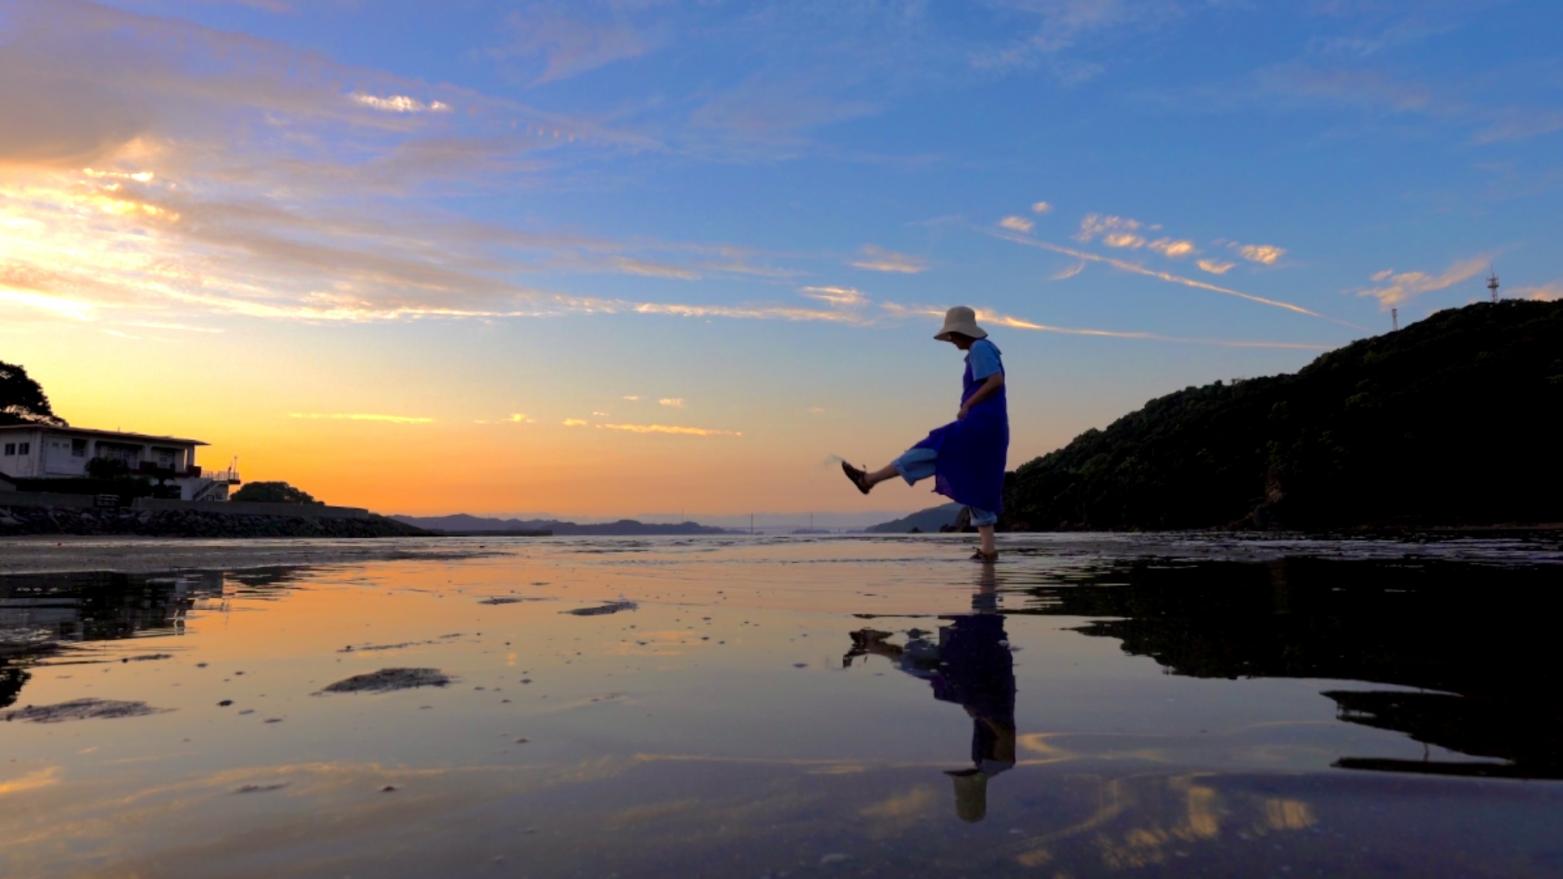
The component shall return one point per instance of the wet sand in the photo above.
(879, 707)
(142, 555)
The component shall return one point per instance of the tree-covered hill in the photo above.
(1451, 421)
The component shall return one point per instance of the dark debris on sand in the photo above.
(610, 607)
(81, 709)
(387, 679)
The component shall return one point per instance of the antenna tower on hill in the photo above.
(1492, 283)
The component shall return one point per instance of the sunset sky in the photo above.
(653, 257)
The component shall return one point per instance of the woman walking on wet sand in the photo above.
(966, 456)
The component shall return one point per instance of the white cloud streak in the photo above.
(398, 104)
(1068, 272)
(670, 429)
(842, 297)
(996, 319)
(647, 269)
(360, 416)
(874, 258)
(1137, 269)
(1016, 223)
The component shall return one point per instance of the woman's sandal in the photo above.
(988, 557)
(858, 476)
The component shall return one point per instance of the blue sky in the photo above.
(458, 212)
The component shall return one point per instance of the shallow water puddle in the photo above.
(852, 707)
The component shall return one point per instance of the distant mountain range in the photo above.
(462, 523)
(927, 521)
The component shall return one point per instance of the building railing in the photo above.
(229, 475)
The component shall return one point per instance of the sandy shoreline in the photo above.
(54, 554)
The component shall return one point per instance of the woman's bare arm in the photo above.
(988, 389)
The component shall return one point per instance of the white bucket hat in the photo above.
(963, 320)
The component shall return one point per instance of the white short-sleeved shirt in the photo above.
(984, 359)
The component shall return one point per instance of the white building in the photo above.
(42, 451)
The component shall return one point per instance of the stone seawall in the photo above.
(186, 521)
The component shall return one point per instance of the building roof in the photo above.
(105, 434)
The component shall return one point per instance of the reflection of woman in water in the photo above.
(971, 666)
(966, 456)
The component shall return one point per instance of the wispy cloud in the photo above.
(1173, 248)
(360, 416)
(1495, 117)
(1169, 277)
(221, 173)
(1214, 266)
(1396, 288)
(1016, 223)
(633, 398)
(575, 422)
(845, 297)
(997, 319)
(556, 42)
(513, 418)
(1068, 272)
(1114, 231)
(398, 103)
(1264, 254)
(647, 269)
(878, 259)
(1054, 27)
(1551, 291)
(46, 304)
(671, 402)
(1041, 207)
(173, 325)
(673, 429)
(738, 312)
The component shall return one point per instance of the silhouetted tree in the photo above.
(22, 400)
(273, 493)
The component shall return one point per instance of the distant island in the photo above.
(1451, 421)
(929, 521)
(462, 523)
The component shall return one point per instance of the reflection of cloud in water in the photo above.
(38, 778)
(899, 808)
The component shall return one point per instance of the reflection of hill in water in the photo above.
(1479, 635)
(41, 612)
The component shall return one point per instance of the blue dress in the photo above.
(969, 453)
